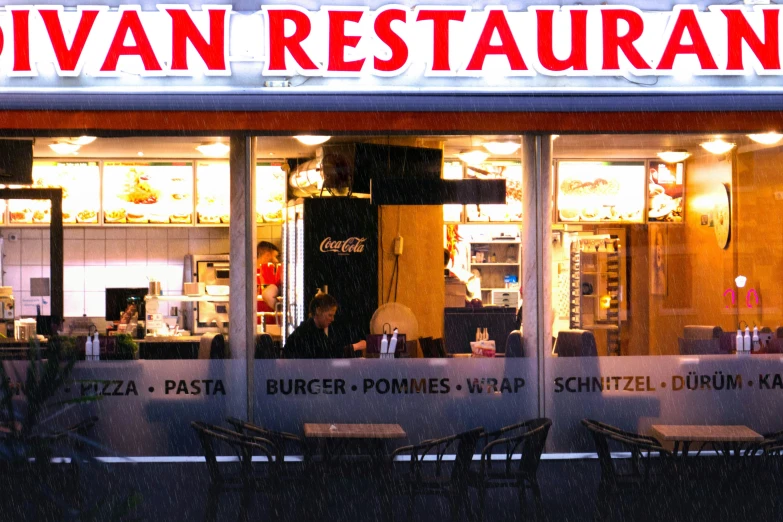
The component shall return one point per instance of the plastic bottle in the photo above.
(393, 343)
(485, 335)
(478, 334)
(755, 339)
(746, 340)
(96, 347)
(738, 342)
(88, 353)
(384, 344)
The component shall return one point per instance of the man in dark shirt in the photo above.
(314, 339)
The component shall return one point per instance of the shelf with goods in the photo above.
(501, 273)
(595, 293)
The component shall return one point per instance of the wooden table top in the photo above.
(354, 431)
(664, 432)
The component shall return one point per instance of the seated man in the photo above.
(314, 339)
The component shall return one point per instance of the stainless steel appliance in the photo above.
(208, 315)
(7, 312)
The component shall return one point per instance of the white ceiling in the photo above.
(568, 146)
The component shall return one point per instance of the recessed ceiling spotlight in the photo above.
(312, 140)
(140, 153)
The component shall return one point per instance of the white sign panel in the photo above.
(393, 48)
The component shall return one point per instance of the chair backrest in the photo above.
(701, 332)
(526, 438)
(265, 347)
(212, 346)
(515, 346)
(279, 438)
(466, 447)
(576, 343)
(427, 348)
(440, 347)
(695, 346)
(640, 447)
(213, 437)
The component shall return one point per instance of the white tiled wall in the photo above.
(100, 258)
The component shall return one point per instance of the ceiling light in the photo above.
(717, 146)
(740, 280)
(140, 153)
(473, 157)
(674, 156)
(502, 148)
(62, 147)
(213, 149)
(768, 138)
(313, 140)
(81, 140)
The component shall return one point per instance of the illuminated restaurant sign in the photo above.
(42, 42)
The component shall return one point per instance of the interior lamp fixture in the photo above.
(717, 146)
(502, 148)
(674, 156)
(81, 140)
(312, 140)
(213, 149)
(473, 157)
(740, 280)
(63, 147)
(768, 138)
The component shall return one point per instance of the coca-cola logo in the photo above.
(352, 245)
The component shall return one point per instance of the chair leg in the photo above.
(539, 503)
(210, 513)
(482, 494)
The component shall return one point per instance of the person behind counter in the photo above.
(314, 339)
(269, 277)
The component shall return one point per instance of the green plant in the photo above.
(28, 443)
(126, 347)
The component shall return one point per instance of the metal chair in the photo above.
(649, 469)
(426, 471)
(282, 440)
(500, 467)
(242, 476)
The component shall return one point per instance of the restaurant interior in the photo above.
(660, 244)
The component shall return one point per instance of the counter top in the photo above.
(171, 339)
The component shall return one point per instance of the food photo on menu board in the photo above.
(212, 187)
(270, 193)
(155, 193)
(213, 190)
(593, 191)
(666, 192)
(81, 188)
(512, 210)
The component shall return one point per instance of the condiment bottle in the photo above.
(738, 342)
(96, 347)
(88, 353)
(746, 340)
(755, 339)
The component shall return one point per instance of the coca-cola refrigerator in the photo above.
(331, 244)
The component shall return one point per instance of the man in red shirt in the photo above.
(269, 278)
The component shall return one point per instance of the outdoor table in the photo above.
(337, 438)
(728, 440)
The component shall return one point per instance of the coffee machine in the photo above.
(7, 311)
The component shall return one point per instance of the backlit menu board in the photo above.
(666, 192)
(270, 193)
(212, 187)
(156, 193)
(594, 191)
(81, 186)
